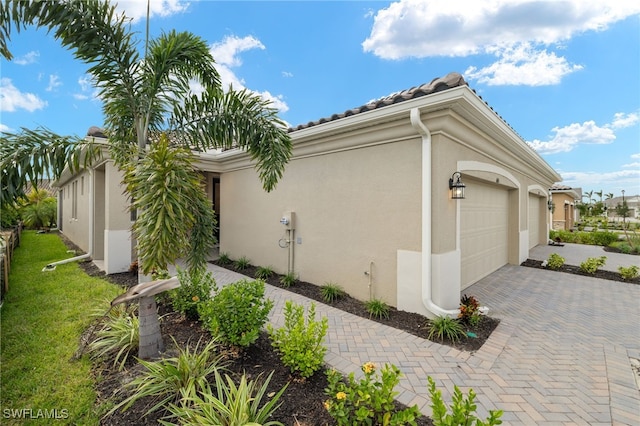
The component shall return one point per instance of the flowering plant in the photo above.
(368, 401)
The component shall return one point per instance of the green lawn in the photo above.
(41, 320)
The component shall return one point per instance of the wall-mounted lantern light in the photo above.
(456, 186)
(550, 205)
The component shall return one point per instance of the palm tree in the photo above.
(152, 119)
(39, 209)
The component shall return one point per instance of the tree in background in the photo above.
(152, 116)
(39, 209)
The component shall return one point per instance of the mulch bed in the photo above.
(570, 269)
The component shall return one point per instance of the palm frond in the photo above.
(33, 155)
(237, 119)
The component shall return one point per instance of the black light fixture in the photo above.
(456, 186)
(550, 205)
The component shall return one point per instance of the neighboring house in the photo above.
(563, 206)
(633, 202)
(365, 200)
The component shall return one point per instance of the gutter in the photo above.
(427, 300)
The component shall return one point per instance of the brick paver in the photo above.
(560, 356)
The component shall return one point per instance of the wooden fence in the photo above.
(9, 240)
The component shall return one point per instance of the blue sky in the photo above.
(564, 74)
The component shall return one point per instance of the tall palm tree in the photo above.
(153, 119)
(599, 194)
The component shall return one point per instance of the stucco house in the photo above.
(365, 201)
(633, 202)
(563, 206)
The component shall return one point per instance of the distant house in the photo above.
(633, 202)
(365, 201)
(564, 200)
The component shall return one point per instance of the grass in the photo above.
(43, 316)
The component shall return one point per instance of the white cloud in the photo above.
(28, 58)
(566, 138)
(287, 74)
(622, 120)
(227, 56)
(5, 129)
(523, 65)
(54, 83)
(87, 89)
(12, 99)
(632, 165)
(518, 32)
(615, 179)
(137, 9)
(226, 52)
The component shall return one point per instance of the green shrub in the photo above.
(299, 343)
(39, 209)
(237, 312)
(368, 401)
(463, 409)
(170, 379)
(332, 292)
(264, 272)
(9, 216)
(224, 259)
(230, 406)
(601, 238)
(242, 263)
(117, 336)
(555, 261)
(377, 309)
(444, 327)
(628, 273)
(288, 280)
(195, 288)
(604, 238)
(591, 265)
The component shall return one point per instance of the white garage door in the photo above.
(535, 204)
(484, 221)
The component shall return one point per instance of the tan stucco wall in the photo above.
(76, 227)
(351, 208)
(563, 212)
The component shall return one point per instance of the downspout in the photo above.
(427, 300)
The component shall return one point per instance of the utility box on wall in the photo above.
(288, 220)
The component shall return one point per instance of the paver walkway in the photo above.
(560, 356)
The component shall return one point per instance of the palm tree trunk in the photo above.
(150, 336)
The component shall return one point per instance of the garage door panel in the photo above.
(484, 219)
(534, 220)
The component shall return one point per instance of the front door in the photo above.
(215, 204)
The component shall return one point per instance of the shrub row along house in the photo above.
(365, 201)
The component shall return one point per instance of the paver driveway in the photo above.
(560, 356)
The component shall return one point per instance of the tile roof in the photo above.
(557, 187)
(439, 84)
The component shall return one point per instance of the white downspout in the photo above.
(427, 300)
(91, 211)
